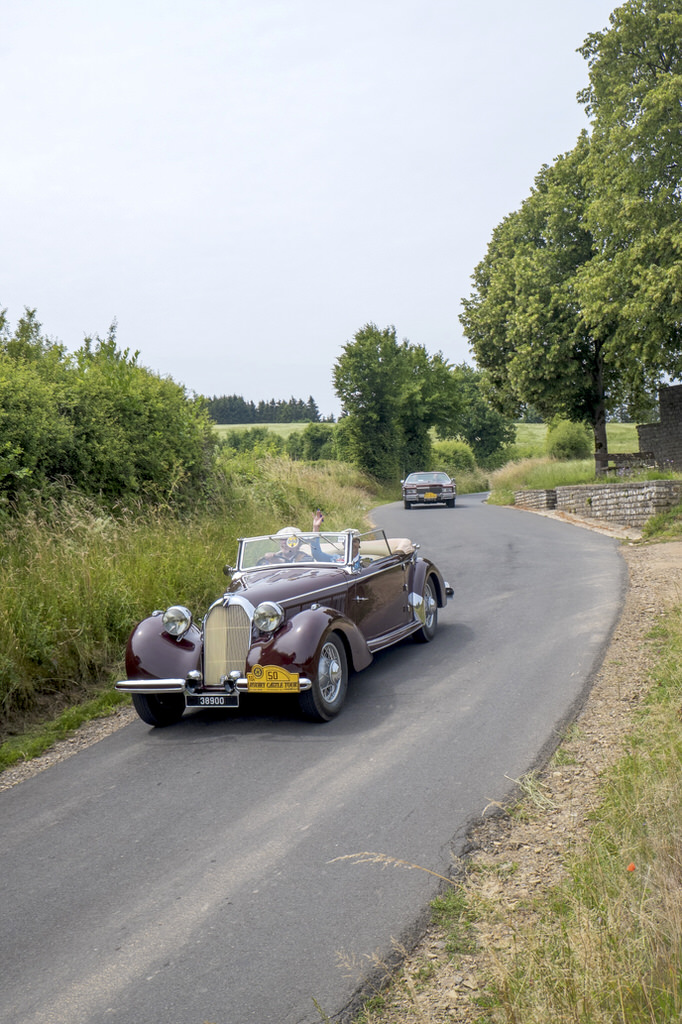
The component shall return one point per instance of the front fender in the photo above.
(152, 654)
(423, 568)
(296, 646)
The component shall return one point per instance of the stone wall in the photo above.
(628, 504)
(664, 439)
(535, 500)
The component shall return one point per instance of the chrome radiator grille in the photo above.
(227, 638)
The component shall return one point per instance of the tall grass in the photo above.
(537, 474)
(74, 579)
(546, 473)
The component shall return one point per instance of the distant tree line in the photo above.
(234, 409)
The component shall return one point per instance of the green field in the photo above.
(281, 429)
(531, 437)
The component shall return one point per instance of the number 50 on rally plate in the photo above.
(266, 678)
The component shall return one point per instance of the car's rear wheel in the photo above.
(326, 696)
(427, 630)
(161, 710)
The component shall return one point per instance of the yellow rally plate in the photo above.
(269, 678)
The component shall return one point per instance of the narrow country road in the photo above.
(197, 874)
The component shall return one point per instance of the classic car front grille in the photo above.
(227, 638)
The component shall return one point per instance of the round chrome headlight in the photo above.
(177, 619)
(268, 616)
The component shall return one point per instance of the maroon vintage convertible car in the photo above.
(302, 610)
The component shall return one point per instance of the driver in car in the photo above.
(289, 547)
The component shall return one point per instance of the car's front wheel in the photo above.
(164, 709)
(429, 614)
(407, 504)
(325, 698)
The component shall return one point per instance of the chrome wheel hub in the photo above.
(329, 673)
(431, 605)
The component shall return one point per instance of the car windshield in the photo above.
(343, 549)
(428, 478)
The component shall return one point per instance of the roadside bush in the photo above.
(136, 434)
(95, 421)
(36, 439)
(343, 440)
(453, 457)
(317, 442)
(256, 440)
(566, 440)
(294, 445)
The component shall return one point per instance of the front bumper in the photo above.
(431, 498)
(191, 689)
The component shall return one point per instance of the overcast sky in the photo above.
(243, 184)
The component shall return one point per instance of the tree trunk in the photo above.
(601, 445)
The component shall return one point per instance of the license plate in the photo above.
(212, 700)
(272, 679)
(430, 496)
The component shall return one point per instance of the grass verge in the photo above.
(36, 740)
(605, 945)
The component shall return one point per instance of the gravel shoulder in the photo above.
(570, 789)
(88, 734)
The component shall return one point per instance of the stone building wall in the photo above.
(664, 439)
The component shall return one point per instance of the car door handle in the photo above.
(362, 599)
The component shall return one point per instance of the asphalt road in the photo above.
(192, 874)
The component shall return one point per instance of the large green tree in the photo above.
(392, 393)
(524, 320)
(577, 303)
(634, 100)
(367, 380)
(486, 430)
(429, 397)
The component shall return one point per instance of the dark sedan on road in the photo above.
(429, 489)
(302, 610)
